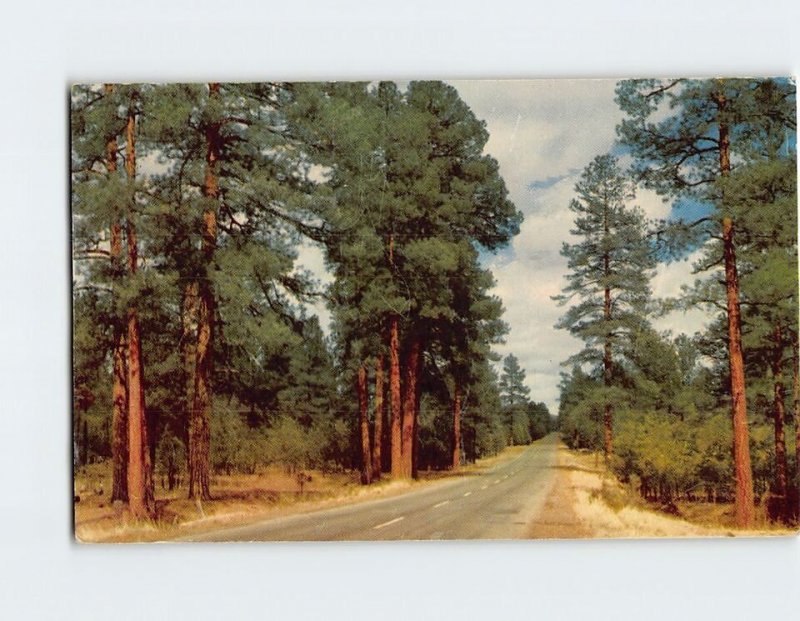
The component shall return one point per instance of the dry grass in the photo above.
(238, 499)
(608, 509)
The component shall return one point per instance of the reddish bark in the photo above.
(744, 500)
(119, 390)
(409, 407)
(456, 426)
(380, 413)
(200, 413)
(415, 436)
(189, 314)
(743, 497)
(119, 421)
(395, 405)
(395, 399)
(363, 421)
(140, 476)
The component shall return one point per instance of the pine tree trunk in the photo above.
(779, 414)
(608, 410)
(415, 436)
(119, 420)
(200, 414)
(119, 390)
(743, 498)
(363, 421)
(377, 441)
(409, 407)
(456, 426)
(140, 479)
(189, 313)
(140, 476)
(395, 405)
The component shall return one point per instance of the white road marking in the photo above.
(484, 487)
(441, 504)
(496, 481)
(467, 494)
(394, 521)
(505, 477)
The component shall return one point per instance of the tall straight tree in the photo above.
(762, 193)
(514, 395)
(380, 415)
(467, 336)
(101, 115)
(140, 476)
(460, 196)
(703, 126)
(610, 265)
(119, 419)
(200, 412)
(232, 202)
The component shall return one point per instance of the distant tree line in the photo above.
(194, 350)
(725, 151)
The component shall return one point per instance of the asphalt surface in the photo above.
(500, 503)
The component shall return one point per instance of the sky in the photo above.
(543, 133)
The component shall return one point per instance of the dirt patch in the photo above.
(588, 502)
(557, 519)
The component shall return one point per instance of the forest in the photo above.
(195, 348)
(703, 416)
(199, 349)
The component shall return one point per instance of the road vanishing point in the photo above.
(500, 503)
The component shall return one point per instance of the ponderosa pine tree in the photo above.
(98, 214)
(459, 197)
(688, 152)
(466, 337)
(418, 155)
(611, 266)
(515, 398)
(513, 390)
(763, 192)
(212, 218)
(102, 115)
(141, 500)
(233, 201)
(463, 339)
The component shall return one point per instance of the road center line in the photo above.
(394, 521)
(441, 504)
(484, 487)
(467, 494)
(496, 481)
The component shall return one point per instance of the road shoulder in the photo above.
(588, 502)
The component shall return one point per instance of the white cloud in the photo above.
(542, 128)
(311, 257)
(543, 133)
(667, 283)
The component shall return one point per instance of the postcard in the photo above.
(469, 309)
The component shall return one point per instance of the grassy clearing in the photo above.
(238, 499)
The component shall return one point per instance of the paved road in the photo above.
(497, 504)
